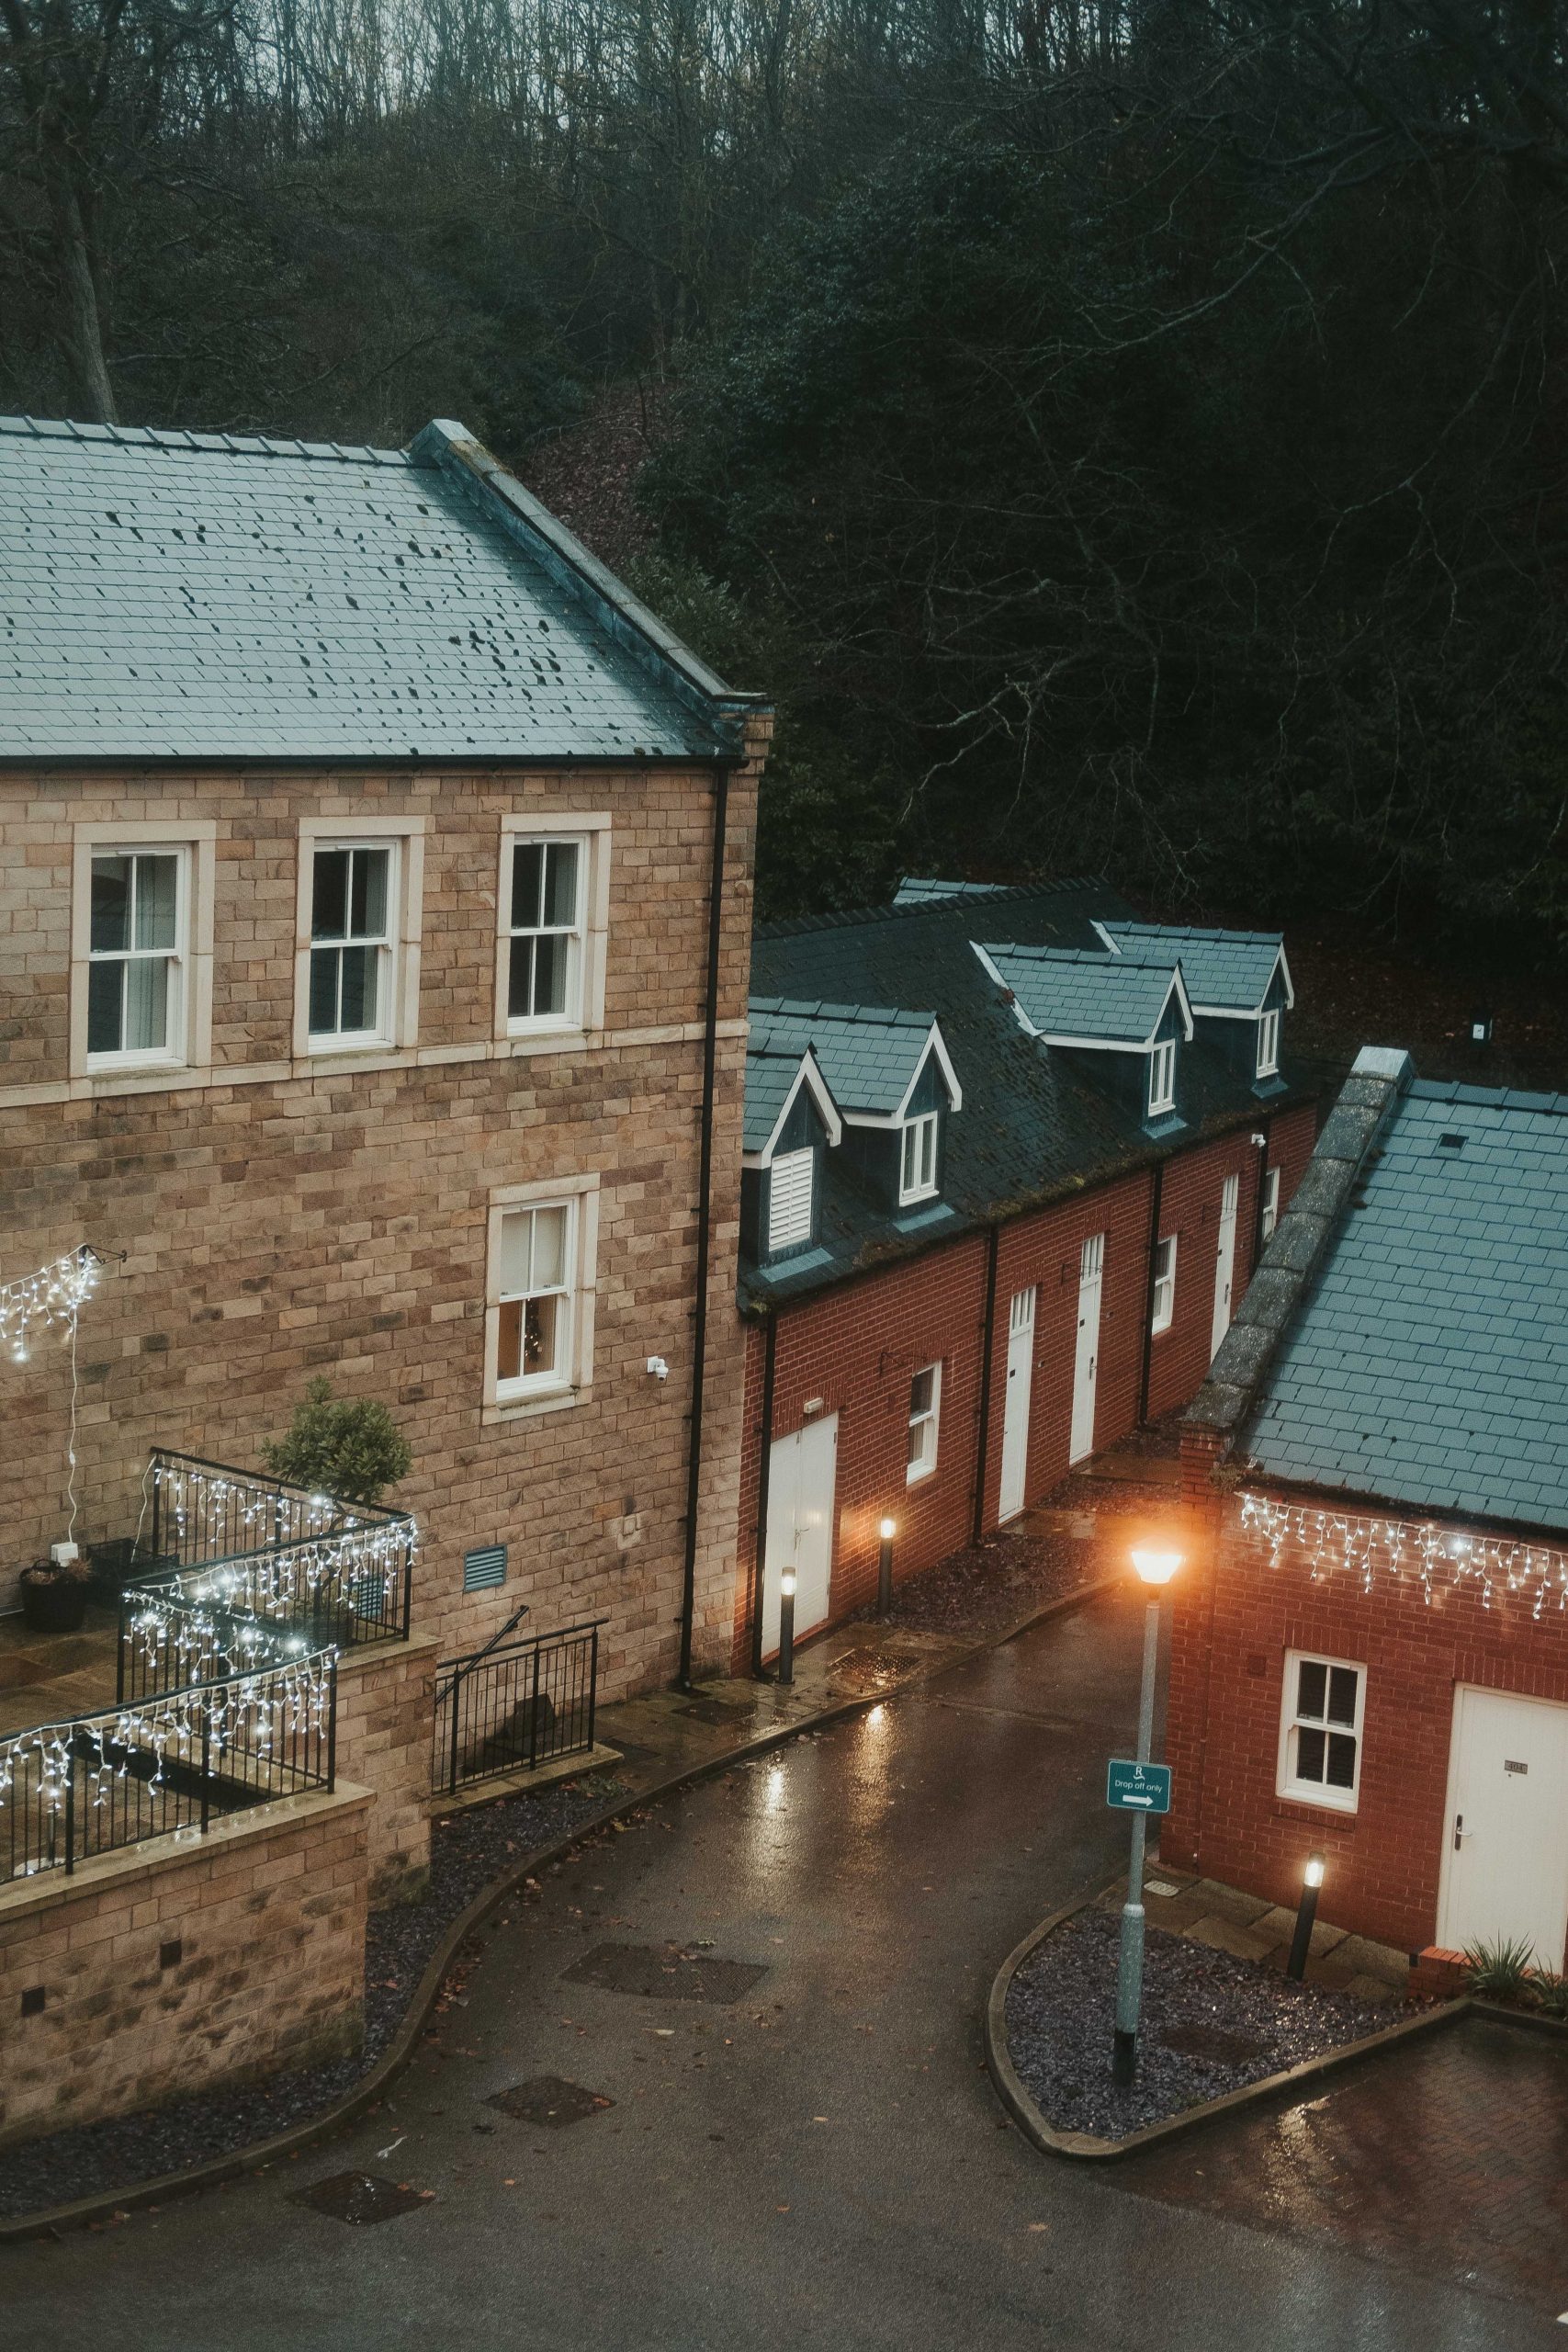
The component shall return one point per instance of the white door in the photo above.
(802, 1474)
(1015, 1408)
(1224, 1264)
(1085, 1360)
(1505, 1834)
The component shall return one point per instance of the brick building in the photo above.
(373, 927)
(1371, 1649)
(999, 1199)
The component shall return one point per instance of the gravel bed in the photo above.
(1233, 2021)
(991, 1585)
(468, 1852)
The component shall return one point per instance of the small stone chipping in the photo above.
(1061, 2014)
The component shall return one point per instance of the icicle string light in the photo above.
(260, 1547)
(1437, 1556)
(54, 1294)
(249, 1714)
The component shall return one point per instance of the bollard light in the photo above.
(1306, 1912)
(787, 1626)
(1155, 1567)
(887, 1530)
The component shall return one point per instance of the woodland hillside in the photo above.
(1119, 437)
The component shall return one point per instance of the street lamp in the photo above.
(1306, 1912)
(888, 1530)
(1155, 1568)
(787, 1626)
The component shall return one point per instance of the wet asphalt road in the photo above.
(822, 2164)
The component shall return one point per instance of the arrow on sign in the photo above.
(1132, 1800)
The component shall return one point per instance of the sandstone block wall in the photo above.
(285, 1216)
(384, 1723)
(165, 1970)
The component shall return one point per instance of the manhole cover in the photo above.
(663, 1972)
(359, 2197)
(710, 1711)
(549, 2099)
(1210, 2041)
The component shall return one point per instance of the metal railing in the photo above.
(333, 1573)
(168, 1642)
(70, 1791)
(509, 1709)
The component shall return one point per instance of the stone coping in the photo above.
(51, 2221)
(152, 1858)
(1038, 2127)
(443, 1803)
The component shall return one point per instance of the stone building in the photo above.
(374, 930)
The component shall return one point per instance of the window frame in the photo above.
(573, 1385)
(1162, 1315)
(189, 1052)
(923, 1128)
(404, 835)
(1271, 1216)
(1162, 1055)
(1289, 1783)
(590, 829)
(918, 1467)
(1268, 1043)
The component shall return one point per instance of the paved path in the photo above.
(819, 2163)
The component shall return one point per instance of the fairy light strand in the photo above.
(1437, 1556)
(55, 1293)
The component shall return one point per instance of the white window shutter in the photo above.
(789, 1199)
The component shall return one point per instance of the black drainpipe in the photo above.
(764, 1470)
(988, 1345)
(704, 1201)
(1149, 1296)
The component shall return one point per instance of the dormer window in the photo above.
(791, 1200)
(1162, 1077)
(917, 1170)
(1268, 1044)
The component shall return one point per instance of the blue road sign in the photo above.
(1137, 1788)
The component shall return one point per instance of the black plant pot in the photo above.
(56, 1608)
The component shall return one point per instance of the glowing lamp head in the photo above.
(887, 1529)
(786, 1584)
(1313, 1870)
(1154, 1567)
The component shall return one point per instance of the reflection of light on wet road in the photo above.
(773, 1789)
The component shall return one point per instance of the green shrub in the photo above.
(1551, 1993)
(1500, 1969)
(348, 1447)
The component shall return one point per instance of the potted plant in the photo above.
(347, 1447)
(54, 1596)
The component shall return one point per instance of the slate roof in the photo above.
(867, 1054)
(1220, 967)
(1035, 1126)
(1429, 1365)
(1068, 992)
(912, 892)
(187, 595)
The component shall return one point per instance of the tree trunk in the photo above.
(81, 332)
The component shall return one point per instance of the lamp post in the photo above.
(787, 1626)
(886, 1531)
(1156, 1569)
(1306, 1912)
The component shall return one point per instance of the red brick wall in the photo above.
(857, 1347)
(1233, 1622)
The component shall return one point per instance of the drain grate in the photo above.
(663, 1973)
(359, 2198)
(712, 1711)
(549, 2098)
(1210, 2041)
